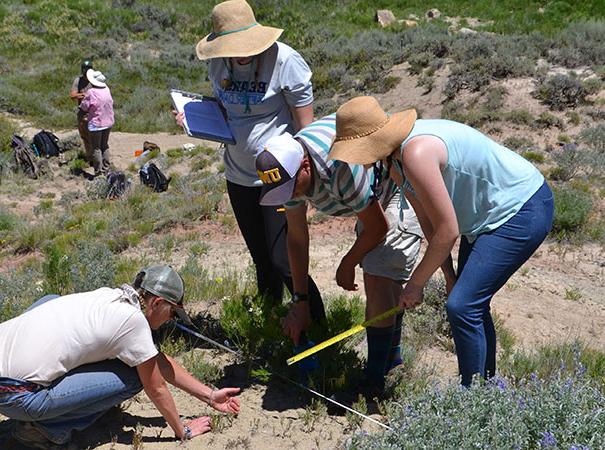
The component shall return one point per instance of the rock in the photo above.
(408, 23)
(433, 13)
(466, 31)
(385, 17)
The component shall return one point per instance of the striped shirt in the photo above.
(339, 189)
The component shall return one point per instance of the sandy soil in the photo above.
(557, 296)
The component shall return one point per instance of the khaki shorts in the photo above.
(396, 256)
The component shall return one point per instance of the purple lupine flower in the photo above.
(581, 370)
(579, 447)
(548, 440)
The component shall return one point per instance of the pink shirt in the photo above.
(99, 105)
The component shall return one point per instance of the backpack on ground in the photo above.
(46, 144)
(153, 177)
(118, 184)
(25, 160)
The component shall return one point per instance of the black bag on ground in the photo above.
(25, 160)
(46, 144)
(153, 177)
(118, 185)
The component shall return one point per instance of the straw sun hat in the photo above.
(366, 134)
(236, 33)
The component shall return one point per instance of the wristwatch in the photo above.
(187, 433)
(298, 297)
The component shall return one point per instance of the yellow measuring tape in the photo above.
(343, 335)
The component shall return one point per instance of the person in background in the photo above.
(67, 360)
(461, 184)
(265, 89)
(296, 172)
(77, 92)
(98, 104)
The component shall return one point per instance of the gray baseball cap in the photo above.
(166, 283)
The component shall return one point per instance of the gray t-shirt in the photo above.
(258, 107)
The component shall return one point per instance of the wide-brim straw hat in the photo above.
(236, 33)
(366, 134)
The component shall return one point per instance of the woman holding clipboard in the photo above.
(265, 89)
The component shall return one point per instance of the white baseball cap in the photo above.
(277, 164)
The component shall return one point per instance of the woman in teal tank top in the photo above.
(461, 184)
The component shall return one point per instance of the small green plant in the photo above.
(573, 117)
(354, 420)
(572, 209)
(172, 346)
(549, 120)
(573, 294)
(520, 117)
(312, 413)
(518, 143)
(532, 156)
(203, 370)
(569, 160)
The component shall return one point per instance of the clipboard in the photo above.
(204, 118)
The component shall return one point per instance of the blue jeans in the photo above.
(484, 266)
(73, 401)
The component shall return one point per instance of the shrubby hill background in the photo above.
(531, 74)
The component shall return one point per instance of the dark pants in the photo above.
(100, 153)
(483, 267)
(264, 230)
(85, 135)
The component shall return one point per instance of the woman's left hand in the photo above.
(411, 296)
(225, 400)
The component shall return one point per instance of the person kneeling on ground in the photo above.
(65, 362)
(296, 172)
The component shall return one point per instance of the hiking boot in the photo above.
(28, 434)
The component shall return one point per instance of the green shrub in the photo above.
(569, 160)
(594, 139)
(427, 324)
(562, 412)
(7, 129)
(549, 361)
(532, 156)
(518, 143)
(580, 44)
(205, 371)
(548, 120)
(572, 210)
(89, 266)
(520, 117)
(18, 290)
(561, 91)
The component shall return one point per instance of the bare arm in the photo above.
(302, 116)
(223, 400)
(156, 389)
(299, 315)
(375, 227)
(422, 160)
(427, 229)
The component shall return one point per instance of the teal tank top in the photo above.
(488, 183)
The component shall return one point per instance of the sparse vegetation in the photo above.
(552, 395)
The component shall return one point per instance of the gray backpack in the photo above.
(25, 160)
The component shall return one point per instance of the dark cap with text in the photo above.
(277, 164)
